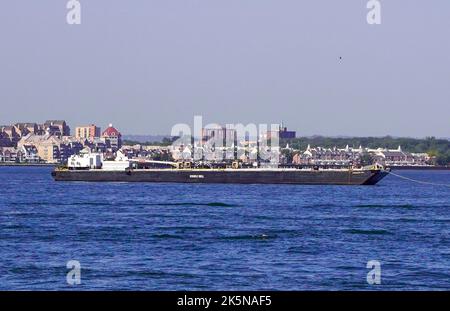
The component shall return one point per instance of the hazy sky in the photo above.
(145, 65)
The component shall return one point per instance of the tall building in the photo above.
(281, 133)
(219, 134)
(112, 138)
(285, 134)
(87, 132)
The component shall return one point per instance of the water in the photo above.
(223, 237)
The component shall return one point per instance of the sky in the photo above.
(145, 65)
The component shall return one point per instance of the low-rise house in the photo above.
(399, 157)
(348, 155)
(30, 154)
(328, 156)
(96, 145)
(10, 155)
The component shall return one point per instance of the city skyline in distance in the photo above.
(157, 136)
(317, 66)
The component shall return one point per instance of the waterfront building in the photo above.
(48, 149)
(328, 156)
(350, 155)
(87, 132)
(30, 154)
(51, 148)
(399, 157)
(10, 155)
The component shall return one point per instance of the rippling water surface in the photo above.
(223, 237)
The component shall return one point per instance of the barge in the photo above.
(92, 168)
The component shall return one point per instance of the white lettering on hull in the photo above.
(196, 176)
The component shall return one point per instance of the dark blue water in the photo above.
(223, 237)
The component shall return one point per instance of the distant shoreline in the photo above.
(27, 164)
(415, 168)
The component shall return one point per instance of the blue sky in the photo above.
(145, 65)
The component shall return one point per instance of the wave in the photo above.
(167, 236)
(304, 250)
(248, 237)
(368, 232)
(211, 204)
(387, 205)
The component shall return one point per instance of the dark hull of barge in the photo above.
(307, 177)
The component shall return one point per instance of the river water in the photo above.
(223, 237)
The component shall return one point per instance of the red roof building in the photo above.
(112, 137)
(111, 132)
